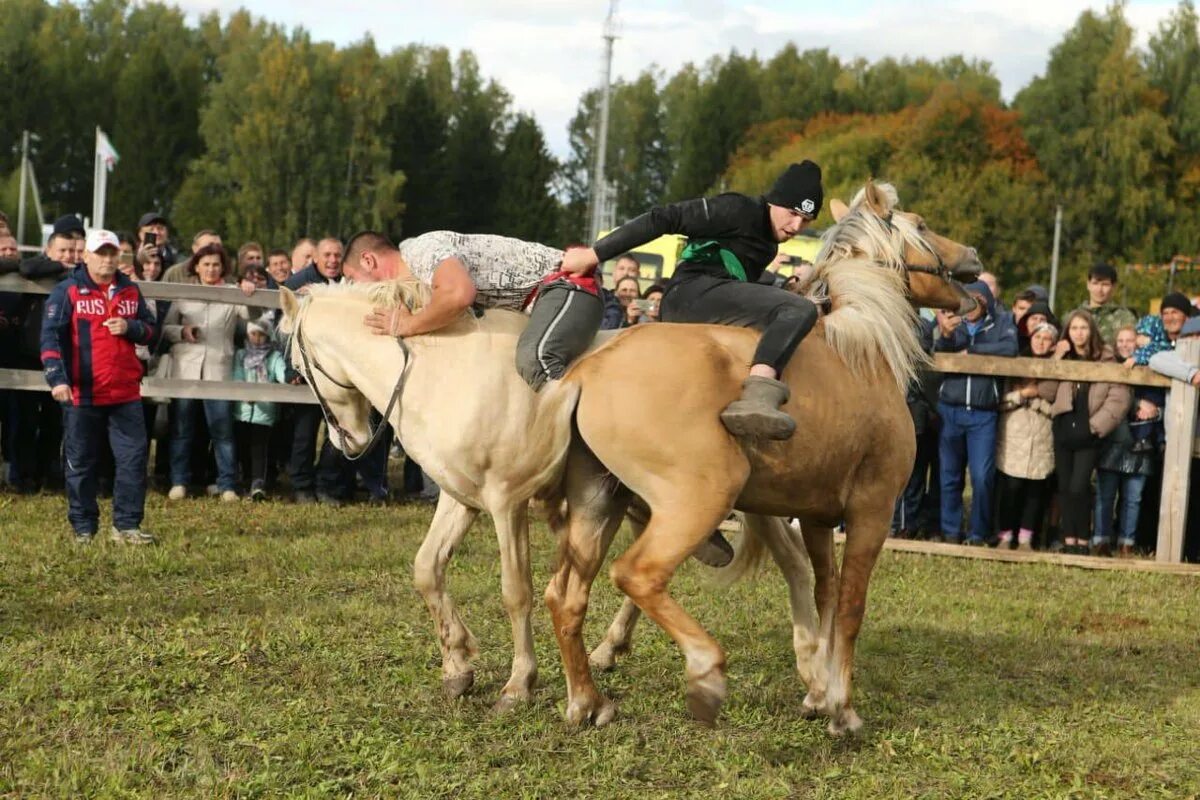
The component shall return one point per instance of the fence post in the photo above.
(1180, 419)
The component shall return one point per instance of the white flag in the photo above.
(105, 152)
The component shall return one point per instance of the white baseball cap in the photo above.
(98, 238)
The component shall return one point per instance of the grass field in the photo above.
(268, 650)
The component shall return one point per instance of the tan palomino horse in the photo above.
(847, 462)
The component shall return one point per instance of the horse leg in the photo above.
(516, 588)
(866, 531)
(819, 542)
(676, 529)
(450, 523)
(618, 639)
(786, 547)
(595, 512)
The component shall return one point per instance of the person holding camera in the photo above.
(968, 407)
(94, 320)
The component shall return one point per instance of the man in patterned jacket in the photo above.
(487, 271)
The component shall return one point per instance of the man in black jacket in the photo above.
(731, 240)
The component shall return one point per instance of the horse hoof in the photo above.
(705, 696)
(456, 686)
(507, 703)
(809, 712)
(845, 722)
(595, 709)
(603, 658)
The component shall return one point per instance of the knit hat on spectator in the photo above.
(68, 224)
(99, 238)
(1179, 302)
(259, 325)
(1039, 293)
(799, 188)
(1043, 308)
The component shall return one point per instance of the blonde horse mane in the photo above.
(413, 293)
(860, 269)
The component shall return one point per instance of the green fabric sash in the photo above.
(705, 253)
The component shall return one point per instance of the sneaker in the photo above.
(1103, 549)
(258, 494)
(177, 492)
(84, 537)
(212, 490)
(134, 536)
(229, 496)
(1025, 546)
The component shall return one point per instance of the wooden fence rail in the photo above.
(1179, 415)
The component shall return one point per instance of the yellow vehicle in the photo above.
(659, 257)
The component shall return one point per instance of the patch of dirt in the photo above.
(1092, 622)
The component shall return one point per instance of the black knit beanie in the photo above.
(799, 188)
(1180, 302)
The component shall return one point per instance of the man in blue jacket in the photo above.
(967, 405)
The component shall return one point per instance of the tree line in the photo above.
(265, 133)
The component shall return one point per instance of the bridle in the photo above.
(941, 270)
(311, 365)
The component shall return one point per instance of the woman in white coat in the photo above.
(202, 348)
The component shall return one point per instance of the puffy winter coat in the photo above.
(1024, 442)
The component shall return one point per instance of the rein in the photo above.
(311, 365)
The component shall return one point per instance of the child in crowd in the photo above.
(1139, 345)
(258, 362)
(1024, 451)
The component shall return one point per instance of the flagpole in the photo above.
(97, 211)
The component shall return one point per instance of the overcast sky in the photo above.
(546, 53)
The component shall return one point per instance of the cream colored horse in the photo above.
(470, 421)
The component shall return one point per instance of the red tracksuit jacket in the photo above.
(78, 350)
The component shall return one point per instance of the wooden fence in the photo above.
(1179, 415)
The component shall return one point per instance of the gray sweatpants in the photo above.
(562, 325)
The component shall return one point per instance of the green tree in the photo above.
(473, 150)
(525, 207)
(727, 104)
(1095, 124)
(416, 125)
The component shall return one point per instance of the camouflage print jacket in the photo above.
(1110, 318)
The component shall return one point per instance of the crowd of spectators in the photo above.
(225, 449)
(1056, 465)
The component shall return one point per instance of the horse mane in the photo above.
(860, 269)
(412, 293)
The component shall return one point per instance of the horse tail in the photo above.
(551, 435)
(759, 535)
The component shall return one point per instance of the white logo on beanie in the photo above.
(807, 206)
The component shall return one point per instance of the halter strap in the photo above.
(311, 365)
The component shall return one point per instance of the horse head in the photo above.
(935, 266)
(336, 379)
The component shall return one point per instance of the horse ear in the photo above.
(289, 304)
(873, 199)
(838, 209)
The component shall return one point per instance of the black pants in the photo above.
(912, 501)
(1075, 468)
(562, 325)
(1020, 503)
(784, 318)
(39, 435)
(252, 445)
(89, 429)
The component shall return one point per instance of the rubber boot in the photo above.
(757, 412)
